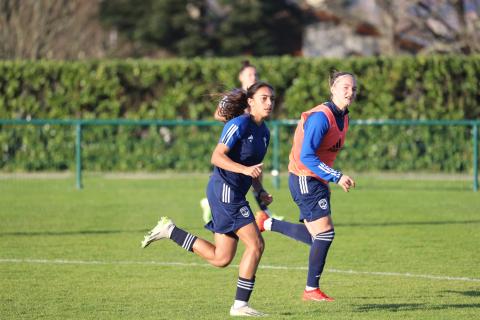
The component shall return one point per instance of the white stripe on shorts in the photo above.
(303, 184)
(225, 193)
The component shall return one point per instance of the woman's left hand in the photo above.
(266, 197)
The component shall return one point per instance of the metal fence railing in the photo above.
(274, 125)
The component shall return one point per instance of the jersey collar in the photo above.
(337, 112)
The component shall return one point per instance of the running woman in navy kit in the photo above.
(237, 161)
(247, 75)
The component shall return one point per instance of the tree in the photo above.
(57, 29)
(209, 27)
(178, 26)
(260, 28)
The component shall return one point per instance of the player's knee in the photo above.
(223, 262)
(261, 245)
(256, 247)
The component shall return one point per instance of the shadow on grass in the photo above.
(395, 307)
(66, 233)
(76, 232)
(410, 185)
(404, 223)
(471, 293)
(197, 229)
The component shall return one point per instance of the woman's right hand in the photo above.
(346, 183)
(253, 171)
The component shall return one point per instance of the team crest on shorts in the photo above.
(323, 204)
(244, 211)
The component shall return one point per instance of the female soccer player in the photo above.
(237, 161)
(318, 138)
(225, 111)
(247, 76)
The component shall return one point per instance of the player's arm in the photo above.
(261, 195)
(222, 160)
(315, 128)
(232, 132)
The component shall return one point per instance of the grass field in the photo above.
(404, 249)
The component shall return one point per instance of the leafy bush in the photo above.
(436, 87)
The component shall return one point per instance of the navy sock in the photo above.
(295, 231)
(244, 288)
(183, 238)
(318, 255)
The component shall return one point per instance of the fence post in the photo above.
(276, 155)
(78, 154)
(475, 157)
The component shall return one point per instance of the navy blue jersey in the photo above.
(247, 143)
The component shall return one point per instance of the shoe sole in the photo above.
(311, 299)
(241, 314)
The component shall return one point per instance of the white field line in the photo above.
(193, 264)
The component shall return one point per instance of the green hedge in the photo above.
(436, 87)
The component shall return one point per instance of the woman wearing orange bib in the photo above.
(319, 136)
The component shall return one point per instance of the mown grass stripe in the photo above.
(271, 267)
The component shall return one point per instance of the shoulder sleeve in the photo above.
(232, 132)
(315, 128)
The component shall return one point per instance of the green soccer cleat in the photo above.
(206, 212)
(162, 230)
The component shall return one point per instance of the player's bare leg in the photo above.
(254, 245)
(219, 254)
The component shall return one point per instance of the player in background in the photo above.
(247, 75)
(319, 136)
(237, 161)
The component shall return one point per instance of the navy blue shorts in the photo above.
(311, 196)
(230, 209)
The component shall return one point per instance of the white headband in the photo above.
(343, 75)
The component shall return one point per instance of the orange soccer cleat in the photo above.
(315, 295)
(260, 218)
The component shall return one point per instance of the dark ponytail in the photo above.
(233, 104)
(246, 64)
